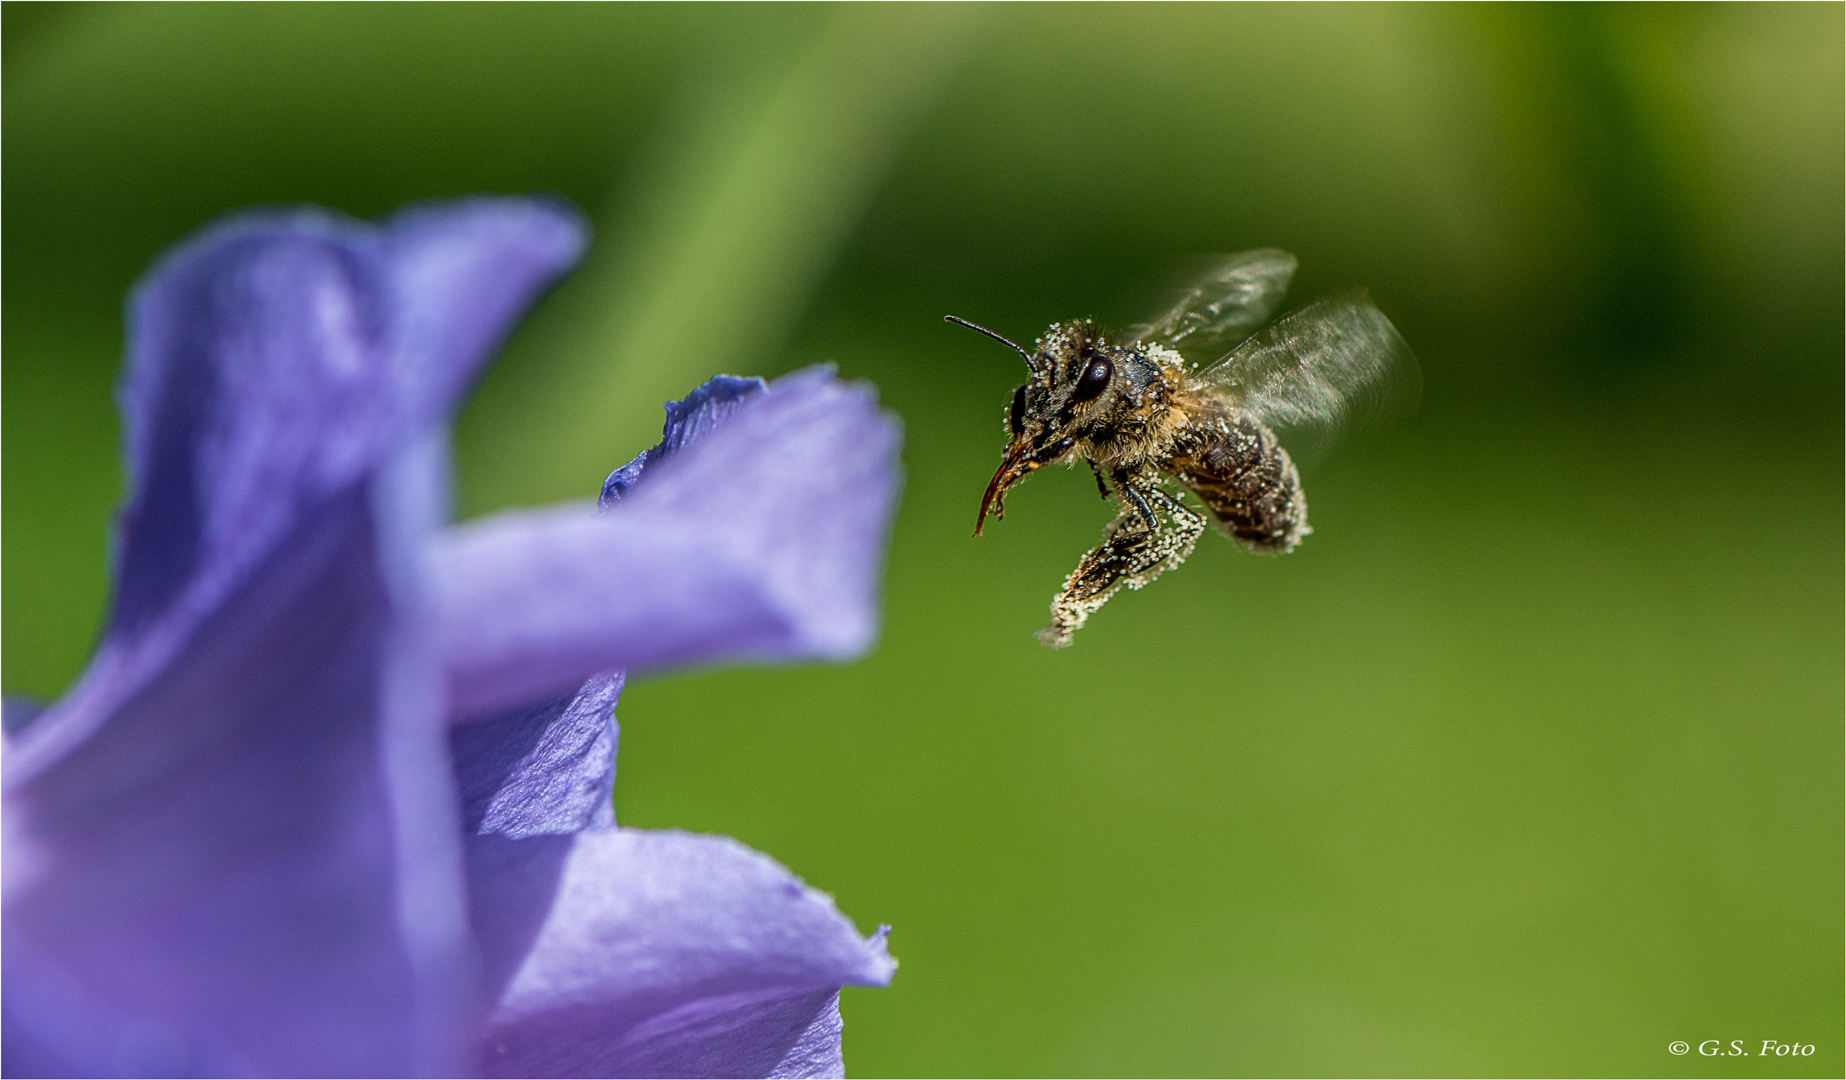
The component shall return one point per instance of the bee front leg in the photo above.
(1101, 484)
(1131, 553)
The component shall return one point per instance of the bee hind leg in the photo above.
(1132, 553)
(1135, 497)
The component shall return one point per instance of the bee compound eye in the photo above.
(1094, 380)
(1016, 416)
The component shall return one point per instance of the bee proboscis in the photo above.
(1151, 426)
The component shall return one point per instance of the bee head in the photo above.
(1076, 382)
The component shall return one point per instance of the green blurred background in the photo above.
(1528, 762)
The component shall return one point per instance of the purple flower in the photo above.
(333, 796)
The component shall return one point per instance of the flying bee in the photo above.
(1152, 426)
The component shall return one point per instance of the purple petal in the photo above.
(815, 1051)
(276, 360)
(219, 860)
(687, 420)
(54, 1028)
(18, 710)
(529, 780)
(664, 954)
(234, 841)
(462, 275)
(761, 541)
(549, 770)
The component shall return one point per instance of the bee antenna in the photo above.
(963, 322)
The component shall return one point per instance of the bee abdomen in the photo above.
(1244, 477)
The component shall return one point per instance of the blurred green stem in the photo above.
(707, 258)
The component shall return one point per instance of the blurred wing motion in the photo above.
(1319, 374)
(1238, 296)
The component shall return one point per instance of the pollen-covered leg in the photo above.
(1130, 554)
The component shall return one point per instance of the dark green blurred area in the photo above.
(1528, 762)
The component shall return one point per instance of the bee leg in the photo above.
(1101, 484)
(1131, 553)
(1184, 527)
(1136, 499)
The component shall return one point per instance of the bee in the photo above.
(1152, 426)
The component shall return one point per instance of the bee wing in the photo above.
(1321, 373)
(1236, 297)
